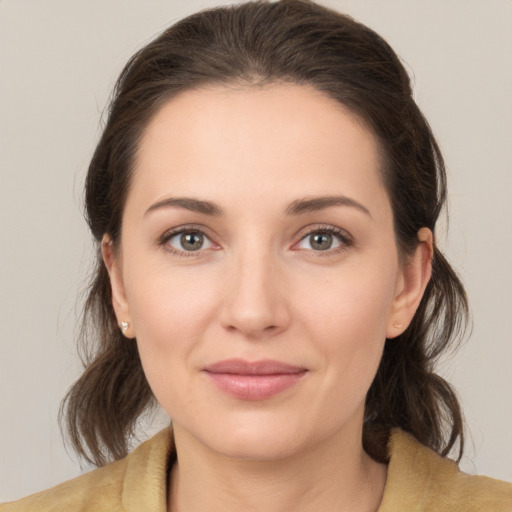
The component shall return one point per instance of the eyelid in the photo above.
(163, 240)
(346, 240)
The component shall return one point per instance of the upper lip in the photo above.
(242, 367)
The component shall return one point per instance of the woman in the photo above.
(264, 198)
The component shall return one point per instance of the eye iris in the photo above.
(321, 241)
(192, 241)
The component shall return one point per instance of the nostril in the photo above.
(253, 308)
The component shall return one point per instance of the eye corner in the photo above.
(172, 241)
(337, 240)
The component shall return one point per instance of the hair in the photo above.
(255, 43)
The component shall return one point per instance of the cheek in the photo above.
(347, 319)
(164, 301)
(351, 304)
(171, 312)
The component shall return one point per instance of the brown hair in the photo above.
(254, 43)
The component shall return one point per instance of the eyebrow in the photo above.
(188, 203)
(315, 204)
(298, 207)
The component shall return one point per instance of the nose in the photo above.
(255, 301)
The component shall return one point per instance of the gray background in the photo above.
(58, 62)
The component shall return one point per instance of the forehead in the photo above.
(277, 141)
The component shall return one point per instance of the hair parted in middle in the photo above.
(253, 44)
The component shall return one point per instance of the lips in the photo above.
(257, 380)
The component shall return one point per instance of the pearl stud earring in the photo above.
(124, 326)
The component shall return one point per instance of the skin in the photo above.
(259, 289)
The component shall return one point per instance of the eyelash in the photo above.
(168, 235)
(342, 236)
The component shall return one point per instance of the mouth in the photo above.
(258, 380)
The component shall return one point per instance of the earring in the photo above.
(398, 326)
(124, 327)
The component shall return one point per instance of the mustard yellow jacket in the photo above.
(419, 480)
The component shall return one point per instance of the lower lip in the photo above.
(254, 387)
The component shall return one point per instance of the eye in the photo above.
(325, 239)
(319, 241)
(188, 241)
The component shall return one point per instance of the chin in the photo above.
(250, 438)
(258, 445)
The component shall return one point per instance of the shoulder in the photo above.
(137, 482)
(420, 479)
(104, 483)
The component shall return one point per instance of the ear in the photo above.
(119, 301)
(411, 284)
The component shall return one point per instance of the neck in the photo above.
(335, 474)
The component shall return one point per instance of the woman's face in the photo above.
(258, 267)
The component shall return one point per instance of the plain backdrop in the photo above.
(58, 62)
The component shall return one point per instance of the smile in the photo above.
(253, 380)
